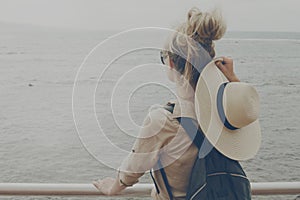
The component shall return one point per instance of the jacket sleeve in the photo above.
(146, 149)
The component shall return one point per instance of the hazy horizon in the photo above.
(245, 16)
(54, 28)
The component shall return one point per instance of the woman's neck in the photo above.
(184, 90)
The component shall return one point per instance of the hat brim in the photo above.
(240, 144)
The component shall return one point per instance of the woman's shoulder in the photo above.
(159, 127)
(161, 112)
(159, 119)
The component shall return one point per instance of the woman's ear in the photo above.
(170, 63)
(171, 72)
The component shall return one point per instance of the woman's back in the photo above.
(178, 153)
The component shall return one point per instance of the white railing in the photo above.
(138, 190)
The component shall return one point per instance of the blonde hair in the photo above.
(200, 28)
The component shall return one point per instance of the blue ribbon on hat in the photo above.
(220, 108)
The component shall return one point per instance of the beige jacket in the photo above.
(163, 137)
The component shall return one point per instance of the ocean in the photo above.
(40, 142)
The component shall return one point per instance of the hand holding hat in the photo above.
(227, 111)
(226, 66)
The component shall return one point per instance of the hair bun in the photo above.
(193, 11)
(206, 26)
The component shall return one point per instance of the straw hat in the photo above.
(227, 113)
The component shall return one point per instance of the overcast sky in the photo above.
(243, 15)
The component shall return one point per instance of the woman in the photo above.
(162, 138)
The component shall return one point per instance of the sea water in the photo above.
(39, 140)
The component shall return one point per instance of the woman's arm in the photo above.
(143, 157)
(227, 68)
(109, 186)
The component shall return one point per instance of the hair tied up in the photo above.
(193, 11)
(200, 28)
(205, 27)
